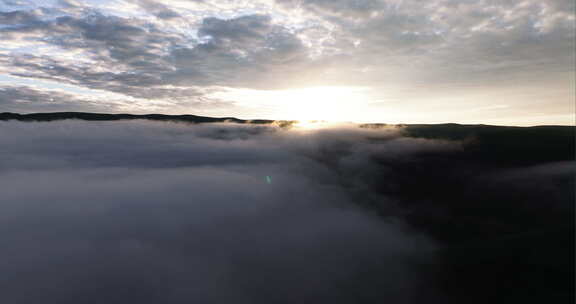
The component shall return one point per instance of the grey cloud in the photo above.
(241, 29)
(176, 213)
(158, 9)
(135, 44)
(112, 40)
(136, 58)
(70, 3)
(248, 44)
(155, 212)
(18, 17)
(563, 5)
(85, 75)
(341, 8)
(27, 99)
(440, 41)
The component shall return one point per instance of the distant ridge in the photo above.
(509, 145)
(106, 117)
(51, 116)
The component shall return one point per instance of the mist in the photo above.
(172, 213)
(159, 212)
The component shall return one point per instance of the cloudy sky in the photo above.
(482, 61)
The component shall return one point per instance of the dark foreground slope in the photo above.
(502, 205)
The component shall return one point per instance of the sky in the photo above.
(498, 62)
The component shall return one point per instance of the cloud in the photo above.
(171, 213)
(338, 8)
(34, 98)
(247, 45)
(18, 17)
(240, 30)
(137, 57)
(28, 99)
(154, 212)
(158, 9)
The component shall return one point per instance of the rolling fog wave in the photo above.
(158, 212)
(151, 212)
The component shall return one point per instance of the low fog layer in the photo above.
(152, 212)
(126, 212)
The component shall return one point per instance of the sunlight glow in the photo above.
(305, 125)
(328, 103)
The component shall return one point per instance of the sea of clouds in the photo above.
(157, 212)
